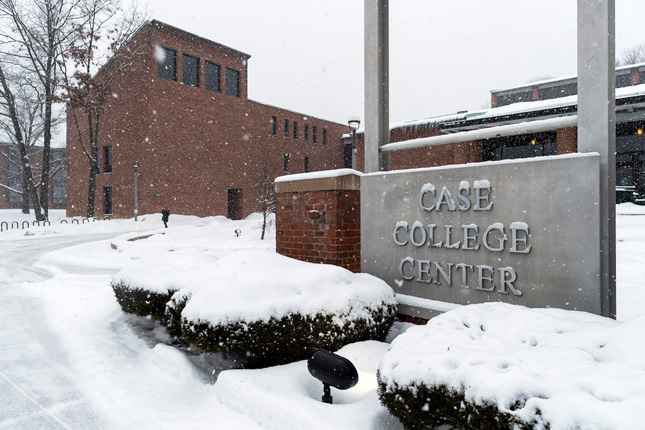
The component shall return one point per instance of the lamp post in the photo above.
(136, 166)
(354, 122)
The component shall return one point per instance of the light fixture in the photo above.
(135, 166)
(639, 131)
(354, 122)
(532, 141)
(238, 232)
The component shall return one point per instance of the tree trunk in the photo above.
(91, 189)
(25, 191)
(44, 181)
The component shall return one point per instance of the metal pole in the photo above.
(353, 148)
(377, 126)
(597, 125)
(136, 208)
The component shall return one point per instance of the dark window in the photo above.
(347, 156)
(524, 146)
(324, 136)
(190, 70)
(107, 159)
(232, 82)
(235, 204)
(313, 133)
(306, 164)
(295, 129)
(107, 200)
(286, 128)
(274, 126)
(166, 63)
(286, 163)
(508, 99)
(212, 72)
(624, 80)
(306, 132)
(641, 77)
(558, 91)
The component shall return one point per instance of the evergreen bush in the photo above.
(419, 406)
(287, 339)
(141, 302)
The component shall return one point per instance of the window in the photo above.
(324, 136)
(313, 133)
(232, 82)
(107, 159)
(295, 130)
(190, 70)
(306, 164)
(212, 72)
(166, 63)
(274, 126)
(306, 132)
(235, 203)
(286, 128)
(107, 200)
(286, 163)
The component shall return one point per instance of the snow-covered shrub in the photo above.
(498, 366)
(141, 302)
(269, 309)
(146, 287)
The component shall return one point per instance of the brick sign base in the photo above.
(318, 218)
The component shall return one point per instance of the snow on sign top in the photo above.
(318, 175)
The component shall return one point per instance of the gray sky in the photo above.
(445, 56)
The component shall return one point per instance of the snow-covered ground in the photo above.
(71, 359)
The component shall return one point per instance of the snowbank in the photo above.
(568, 369)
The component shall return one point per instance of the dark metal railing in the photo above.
(5, 226)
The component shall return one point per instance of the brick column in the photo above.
(318, 218)
(567, 140)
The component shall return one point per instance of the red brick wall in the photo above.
(320, 227)
(193, 144)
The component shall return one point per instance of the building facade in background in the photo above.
(10, 175)
(182, 113)
(537, 101)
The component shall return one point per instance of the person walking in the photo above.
(165, 214)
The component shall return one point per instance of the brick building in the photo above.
(541, 100)
(10, 176)
(181, 111)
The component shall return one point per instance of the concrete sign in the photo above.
(523, 232)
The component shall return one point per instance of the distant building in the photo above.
(181, 111)
(541, 100)
(10, 175)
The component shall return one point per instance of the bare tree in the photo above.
(633, 55)
(100, 40)
(7, 95)
(263, 180)
(34, 35)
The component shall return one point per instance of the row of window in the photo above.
(286, 163)
(557, 91)
(288, 132)
(167, 69)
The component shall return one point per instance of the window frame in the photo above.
(184, 69)
(238, 76)
(209, 65)
(107, 159)
(162, 65)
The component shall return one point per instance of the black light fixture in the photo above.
(354, 122)
(333, 371)
(238, 232)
